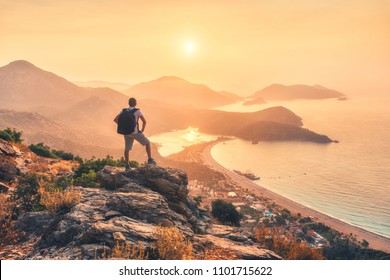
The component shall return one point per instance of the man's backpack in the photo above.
(126, 121)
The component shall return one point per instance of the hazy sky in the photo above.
(239, 46)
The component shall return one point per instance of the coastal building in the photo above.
(232, 194)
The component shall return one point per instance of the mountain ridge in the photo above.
(173, 89)
(90, 111)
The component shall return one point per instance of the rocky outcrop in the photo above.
(135, 203)
(236, 242)
(8, 153)
(126, 210)
(169, 183)
(8, 150)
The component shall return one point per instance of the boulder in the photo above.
(35, 222)
(170, 182)
(111, 214)
(8, 150)
(242, 251)
(8, 170)
(95, 251)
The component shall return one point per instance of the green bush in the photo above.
(26, 193)
(225, 212)
(11, 135)
(98, 164)
(63, 182)
(63, 155)
(42, 150)
(45, 151)
(87, 180)
(5, 136)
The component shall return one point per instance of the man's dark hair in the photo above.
(132, 102)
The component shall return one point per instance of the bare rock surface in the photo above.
(126, 210)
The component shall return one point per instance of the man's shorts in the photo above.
(129, 140)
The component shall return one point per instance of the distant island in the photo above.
(256, 101)
(278, 92)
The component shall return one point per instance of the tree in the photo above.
(42, 150)
(365, 243)
(225, 212)
(11, 135)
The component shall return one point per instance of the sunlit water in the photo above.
(175, 141)
(349, 180)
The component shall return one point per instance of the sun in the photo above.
(189, 47)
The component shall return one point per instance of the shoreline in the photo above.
(376, 241)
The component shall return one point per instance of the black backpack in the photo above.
(127, 121)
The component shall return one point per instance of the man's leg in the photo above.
(126, 154)
(129, 140)
(144, 141)
(148, 150)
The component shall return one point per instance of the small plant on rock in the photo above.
(171, 245)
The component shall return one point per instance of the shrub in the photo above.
(63, 182)
(5, 136)
(26, 193)
(57, 200)
(11, 135)
(42, 150)
(98, 164)
(214, 253)
(63, 155)
(8, 234)
(287, 247)
(88, 180)
(128, 252)
(225, 212)
(171, 245)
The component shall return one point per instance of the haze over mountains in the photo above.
(177, 91)
(99, 84)
(50, 109)
(278, 92)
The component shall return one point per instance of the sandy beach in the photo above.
(376, 241)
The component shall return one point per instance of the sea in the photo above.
(348, 180)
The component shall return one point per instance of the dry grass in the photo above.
(56, 200)
(8, 233)
(62, 166)
(214, 253)
(171, 245)
(289, 248)
(126, 251)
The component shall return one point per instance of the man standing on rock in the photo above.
(127, 121)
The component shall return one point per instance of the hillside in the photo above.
(177, 91)
(278, 92)
(24, 86)
(129, 212)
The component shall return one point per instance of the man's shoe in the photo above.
(151, 161)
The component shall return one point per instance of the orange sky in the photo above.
(239, 46)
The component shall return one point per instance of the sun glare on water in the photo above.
(192, 134)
